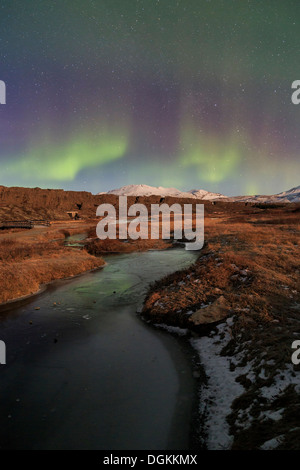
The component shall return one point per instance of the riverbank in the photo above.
(83, 371)
(239, 304)
(33, 258)
(25, 276)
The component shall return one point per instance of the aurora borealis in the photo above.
(186, 93)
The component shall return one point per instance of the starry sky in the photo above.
(177, 93)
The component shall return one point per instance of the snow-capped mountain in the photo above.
(145, 190)
(202, 194)
(293, 195)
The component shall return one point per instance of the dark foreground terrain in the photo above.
(242, 298)
(238, 304)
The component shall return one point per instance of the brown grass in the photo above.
(14, 250)
(25, 266)
(97, 247)
(25, 277)
(253, 261)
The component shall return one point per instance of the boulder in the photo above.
(215, 312)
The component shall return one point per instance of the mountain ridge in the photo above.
(292, 195)
(146, 190)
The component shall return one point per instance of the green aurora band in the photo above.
(63, 162)
(213, 159)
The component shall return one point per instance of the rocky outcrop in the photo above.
(213, 313)
(21, 203)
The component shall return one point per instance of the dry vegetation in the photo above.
(31, 258)
(252, 263)
(248, 271)
(25, 266)
(98, 247)
(13, 250)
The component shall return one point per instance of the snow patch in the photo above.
(221, 389)
(172, 329)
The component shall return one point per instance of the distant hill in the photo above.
(145, 190)
(292, 195)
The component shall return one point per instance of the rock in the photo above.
(217, 291)
(211, 314)
(244, 272)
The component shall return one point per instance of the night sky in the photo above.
(189, 94)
